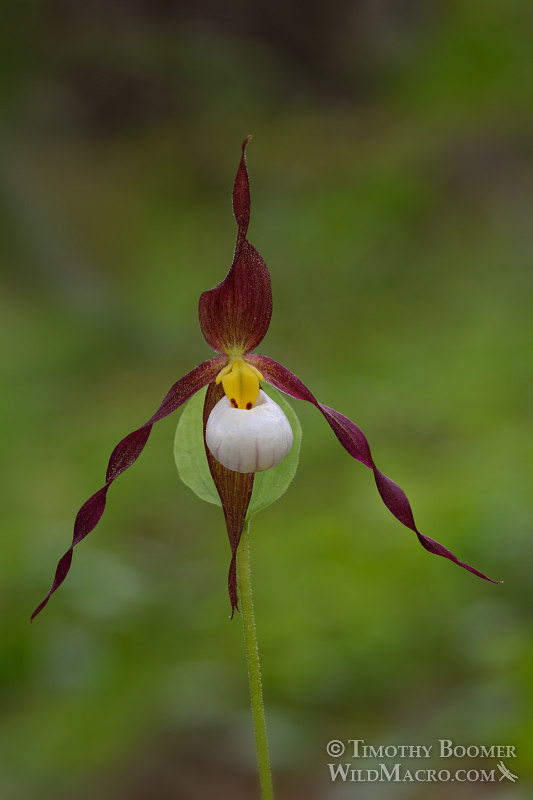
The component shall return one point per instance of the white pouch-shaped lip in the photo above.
(248, 440)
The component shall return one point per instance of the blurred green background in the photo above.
(392, 173)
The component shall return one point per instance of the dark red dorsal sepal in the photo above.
(235, 315)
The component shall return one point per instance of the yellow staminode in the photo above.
(240, 382)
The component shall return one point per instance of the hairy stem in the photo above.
(254, 666)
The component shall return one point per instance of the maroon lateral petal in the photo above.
(354, 441)
(123, 456)
(235, 491)
(236, 313)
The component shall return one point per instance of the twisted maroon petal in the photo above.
(124, 455)
(235, 491)
(354, 441)
(236, 313)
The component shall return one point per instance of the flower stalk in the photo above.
(254, 665)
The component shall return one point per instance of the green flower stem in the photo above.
(254, 666)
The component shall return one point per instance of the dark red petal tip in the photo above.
(123, 456)
(236, 313)
(241, 195)
(235, 491)
(355, 443)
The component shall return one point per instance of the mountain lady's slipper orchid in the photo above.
(244, 430)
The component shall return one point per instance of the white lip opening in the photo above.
(249, 440)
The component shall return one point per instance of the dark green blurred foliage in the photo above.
(391, 180)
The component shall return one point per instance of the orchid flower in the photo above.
(244, 430)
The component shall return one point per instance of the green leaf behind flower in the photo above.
(191, 461)
(189, 451)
